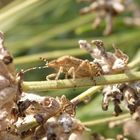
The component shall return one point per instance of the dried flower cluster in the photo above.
(9, 87)
(108, 9)
(114, 63)
(54, 118)
(118, 93)
(48, 118)
(109, 62)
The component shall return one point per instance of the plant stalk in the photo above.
(82, 82)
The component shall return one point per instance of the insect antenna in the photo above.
(34, 68)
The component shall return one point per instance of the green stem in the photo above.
(106, 120)
(49, 55)
(82, 82)
(16, 9)
(86, 94)
(55, 54)
(135, 62)
(68, 43)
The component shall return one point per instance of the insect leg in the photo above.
(83, 64)
(51, 76)
(59, 72)
(71, 71)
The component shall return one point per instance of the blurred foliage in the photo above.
(52, 28)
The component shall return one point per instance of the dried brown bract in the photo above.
(41, 109)
(74, 67)
(118, 93)
(109, 9)
(50, 106)
(109, 62)
(62, 127)
(112, 63)
(67, 106)
(112, 93)
(104, 9)
(54, 118)
(9, 87)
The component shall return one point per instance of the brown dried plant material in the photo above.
(114, 94)
(114, 63)
(8, 86)
(32, 107)
(132, 128)
(74, 67)
(45, 106)
(62, 127)
(109, 9)
(104, 9)
(118, 93)
(109, 62)
(54, 118)
(6, 57)
(9, 89)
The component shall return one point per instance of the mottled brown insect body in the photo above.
(74, 67)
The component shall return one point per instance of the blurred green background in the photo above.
(52, 28)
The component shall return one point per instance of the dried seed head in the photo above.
(59, 127)
(130, 98)
(66, 122)
(85, 45)
(9, 87)
(99, 44)
(112, 93)
(105, 10)
(121, 93)
(67, 106)
(117, 109)
(109, 62)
